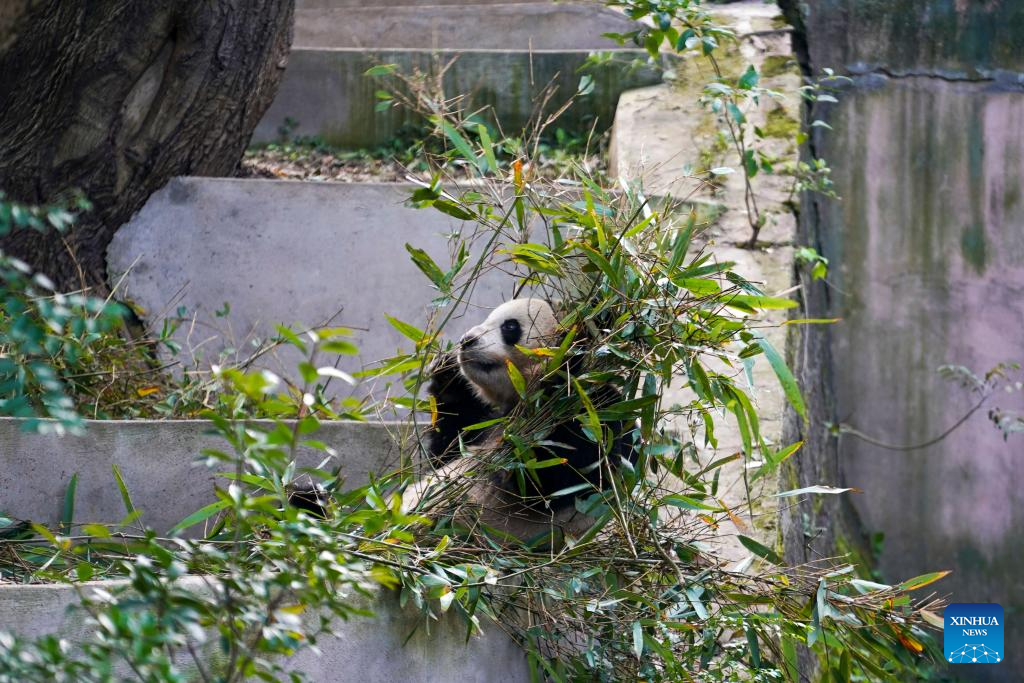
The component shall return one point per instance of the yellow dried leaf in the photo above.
(709, 521)
(910, 643)
(735, 520)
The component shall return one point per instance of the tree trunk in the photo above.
(116, 97)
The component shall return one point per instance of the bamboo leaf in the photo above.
(812, 489)
(638, 639)
(595, 421)
(452, 209)
(68, 512)
(760, 302)
(789, 386)
(541, 464)
(426, 264)
(921, 581)
(686, 502)
(760, 550)
(406, 329)
(485, 142)
(518, 381)
(96, 530)
(755, 651)
(200, 515)
(460, 143)
(126, 498)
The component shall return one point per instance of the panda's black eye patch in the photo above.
(511, 332)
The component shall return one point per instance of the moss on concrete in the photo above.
(973, 247)
(780, 124)
(777, 65)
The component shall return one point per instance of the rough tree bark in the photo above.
(115, 97)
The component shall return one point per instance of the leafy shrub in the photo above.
(641, 594)
(44, 334)
(264, 582)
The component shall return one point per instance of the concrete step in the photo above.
(282, 251)
(391, 645)
(487, 26)
(506, 55)
(382, 5)
(159, 462)
(326, 92)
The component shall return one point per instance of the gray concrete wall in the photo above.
(360, 650)
(490, 26)
(380, 4)
(289, 252)
(931, 266)
(927, 253)
(326, 92)
(160, 463)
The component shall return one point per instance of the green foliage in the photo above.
(809, 257)
(44, 335)
(687, 27)
(69, 356)
(1006, 376)
(635, 594)
(471, 144)
(638, 594)
(262, 582)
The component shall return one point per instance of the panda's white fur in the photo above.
(484, 351)
(482, 388)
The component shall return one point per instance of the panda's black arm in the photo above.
(458, 406)
(580, 453)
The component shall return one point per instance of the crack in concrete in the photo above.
(1001, 77)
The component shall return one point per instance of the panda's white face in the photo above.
(485, 350)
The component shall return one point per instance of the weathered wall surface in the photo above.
(391, 645)
(384, 4)
(951, 38)
(161, 466)
(288, 252)
(927, 250)
(487, 26)
(326, 92)
(499, 58)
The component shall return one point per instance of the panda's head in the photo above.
(485, 350)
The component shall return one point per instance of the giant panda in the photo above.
(472, 385)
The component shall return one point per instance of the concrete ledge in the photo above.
(490, 26)
(160, 464)
(380, 5)
(327, 93)
(361, 650)
(288, 252)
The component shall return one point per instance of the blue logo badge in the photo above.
(973, 633)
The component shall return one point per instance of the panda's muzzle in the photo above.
(484, 366)
(477, 360)
(475, 356)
